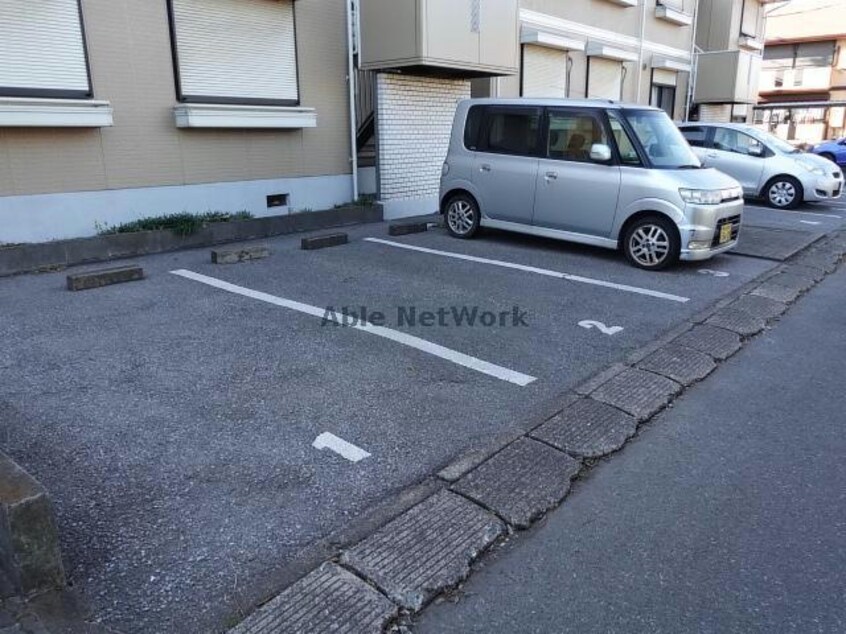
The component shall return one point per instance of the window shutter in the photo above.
(605, 80)
(544, 72)
(42, 51)
(236, 50)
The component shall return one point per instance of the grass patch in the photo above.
(182, 224)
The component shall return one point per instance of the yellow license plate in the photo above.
(725, 234)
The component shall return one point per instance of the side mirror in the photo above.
(600, 153)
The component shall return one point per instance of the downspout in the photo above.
(640, 50)
(351, 84)
(694, 65)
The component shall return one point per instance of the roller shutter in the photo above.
(715, 113)
(544, 72)
(42, 50)
(606, 79)
(236, 50)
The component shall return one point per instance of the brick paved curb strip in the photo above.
(522, 482)
(426, 549)
(431, 547)
(330, 599)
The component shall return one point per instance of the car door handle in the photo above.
(485, 168)
(551, 176)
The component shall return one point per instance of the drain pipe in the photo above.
(640, 51)
(694, 65)
(351, 84)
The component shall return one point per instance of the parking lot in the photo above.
(201, 428)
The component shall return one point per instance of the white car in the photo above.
(766, 166)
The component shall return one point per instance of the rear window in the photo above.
(472, 127)
(511, 131)
(695, 136)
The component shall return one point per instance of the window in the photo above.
(572, 135)
(664, 97)
(628, 153)
(544, 72)
(806, 55)
(512, 131)
(235, 51)
(697, 137)
(661, 140)
(605, 79)
(729, 140)
(815, 55)
(42, 50)
(472, 127)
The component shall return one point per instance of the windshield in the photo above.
(773, 141)
(661, 139)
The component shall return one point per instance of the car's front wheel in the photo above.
(462, 216)
(652, 243)
(784, 192)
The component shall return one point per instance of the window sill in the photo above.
(203, 115)
(675, 16)
(18, 112)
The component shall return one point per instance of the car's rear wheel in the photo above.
(462, 216)
(652, 243)
(784, 192)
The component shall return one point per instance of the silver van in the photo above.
(766, 166)
(592, 171)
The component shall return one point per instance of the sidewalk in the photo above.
(726, 514)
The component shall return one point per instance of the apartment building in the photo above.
(803, 81)
(631, 50)
(111, 111)
(730, 36)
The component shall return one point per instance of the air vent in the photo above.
(277, 200)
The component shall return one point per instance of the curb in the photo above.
(487, 494)
(51, 256)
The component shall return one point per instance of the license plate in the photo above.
(725, 234)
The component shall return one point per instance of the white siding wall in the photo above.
(414, 122)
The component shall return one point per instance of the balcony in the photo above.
(727, 77)
(475, 38)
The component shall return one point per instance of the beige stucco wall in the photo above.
(131, 65)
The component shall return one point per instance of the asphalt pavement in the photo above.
(726, 514)
(200, 430)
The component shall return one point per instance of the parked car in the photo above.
(766, 166)
(834, 151)
(590, 171)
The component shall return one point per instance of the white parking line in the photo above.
(532, 269)
(411, 341)
(339, 446)
(797, 213)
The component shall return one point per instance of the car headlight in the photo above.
(818, 171)
(710, 196)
